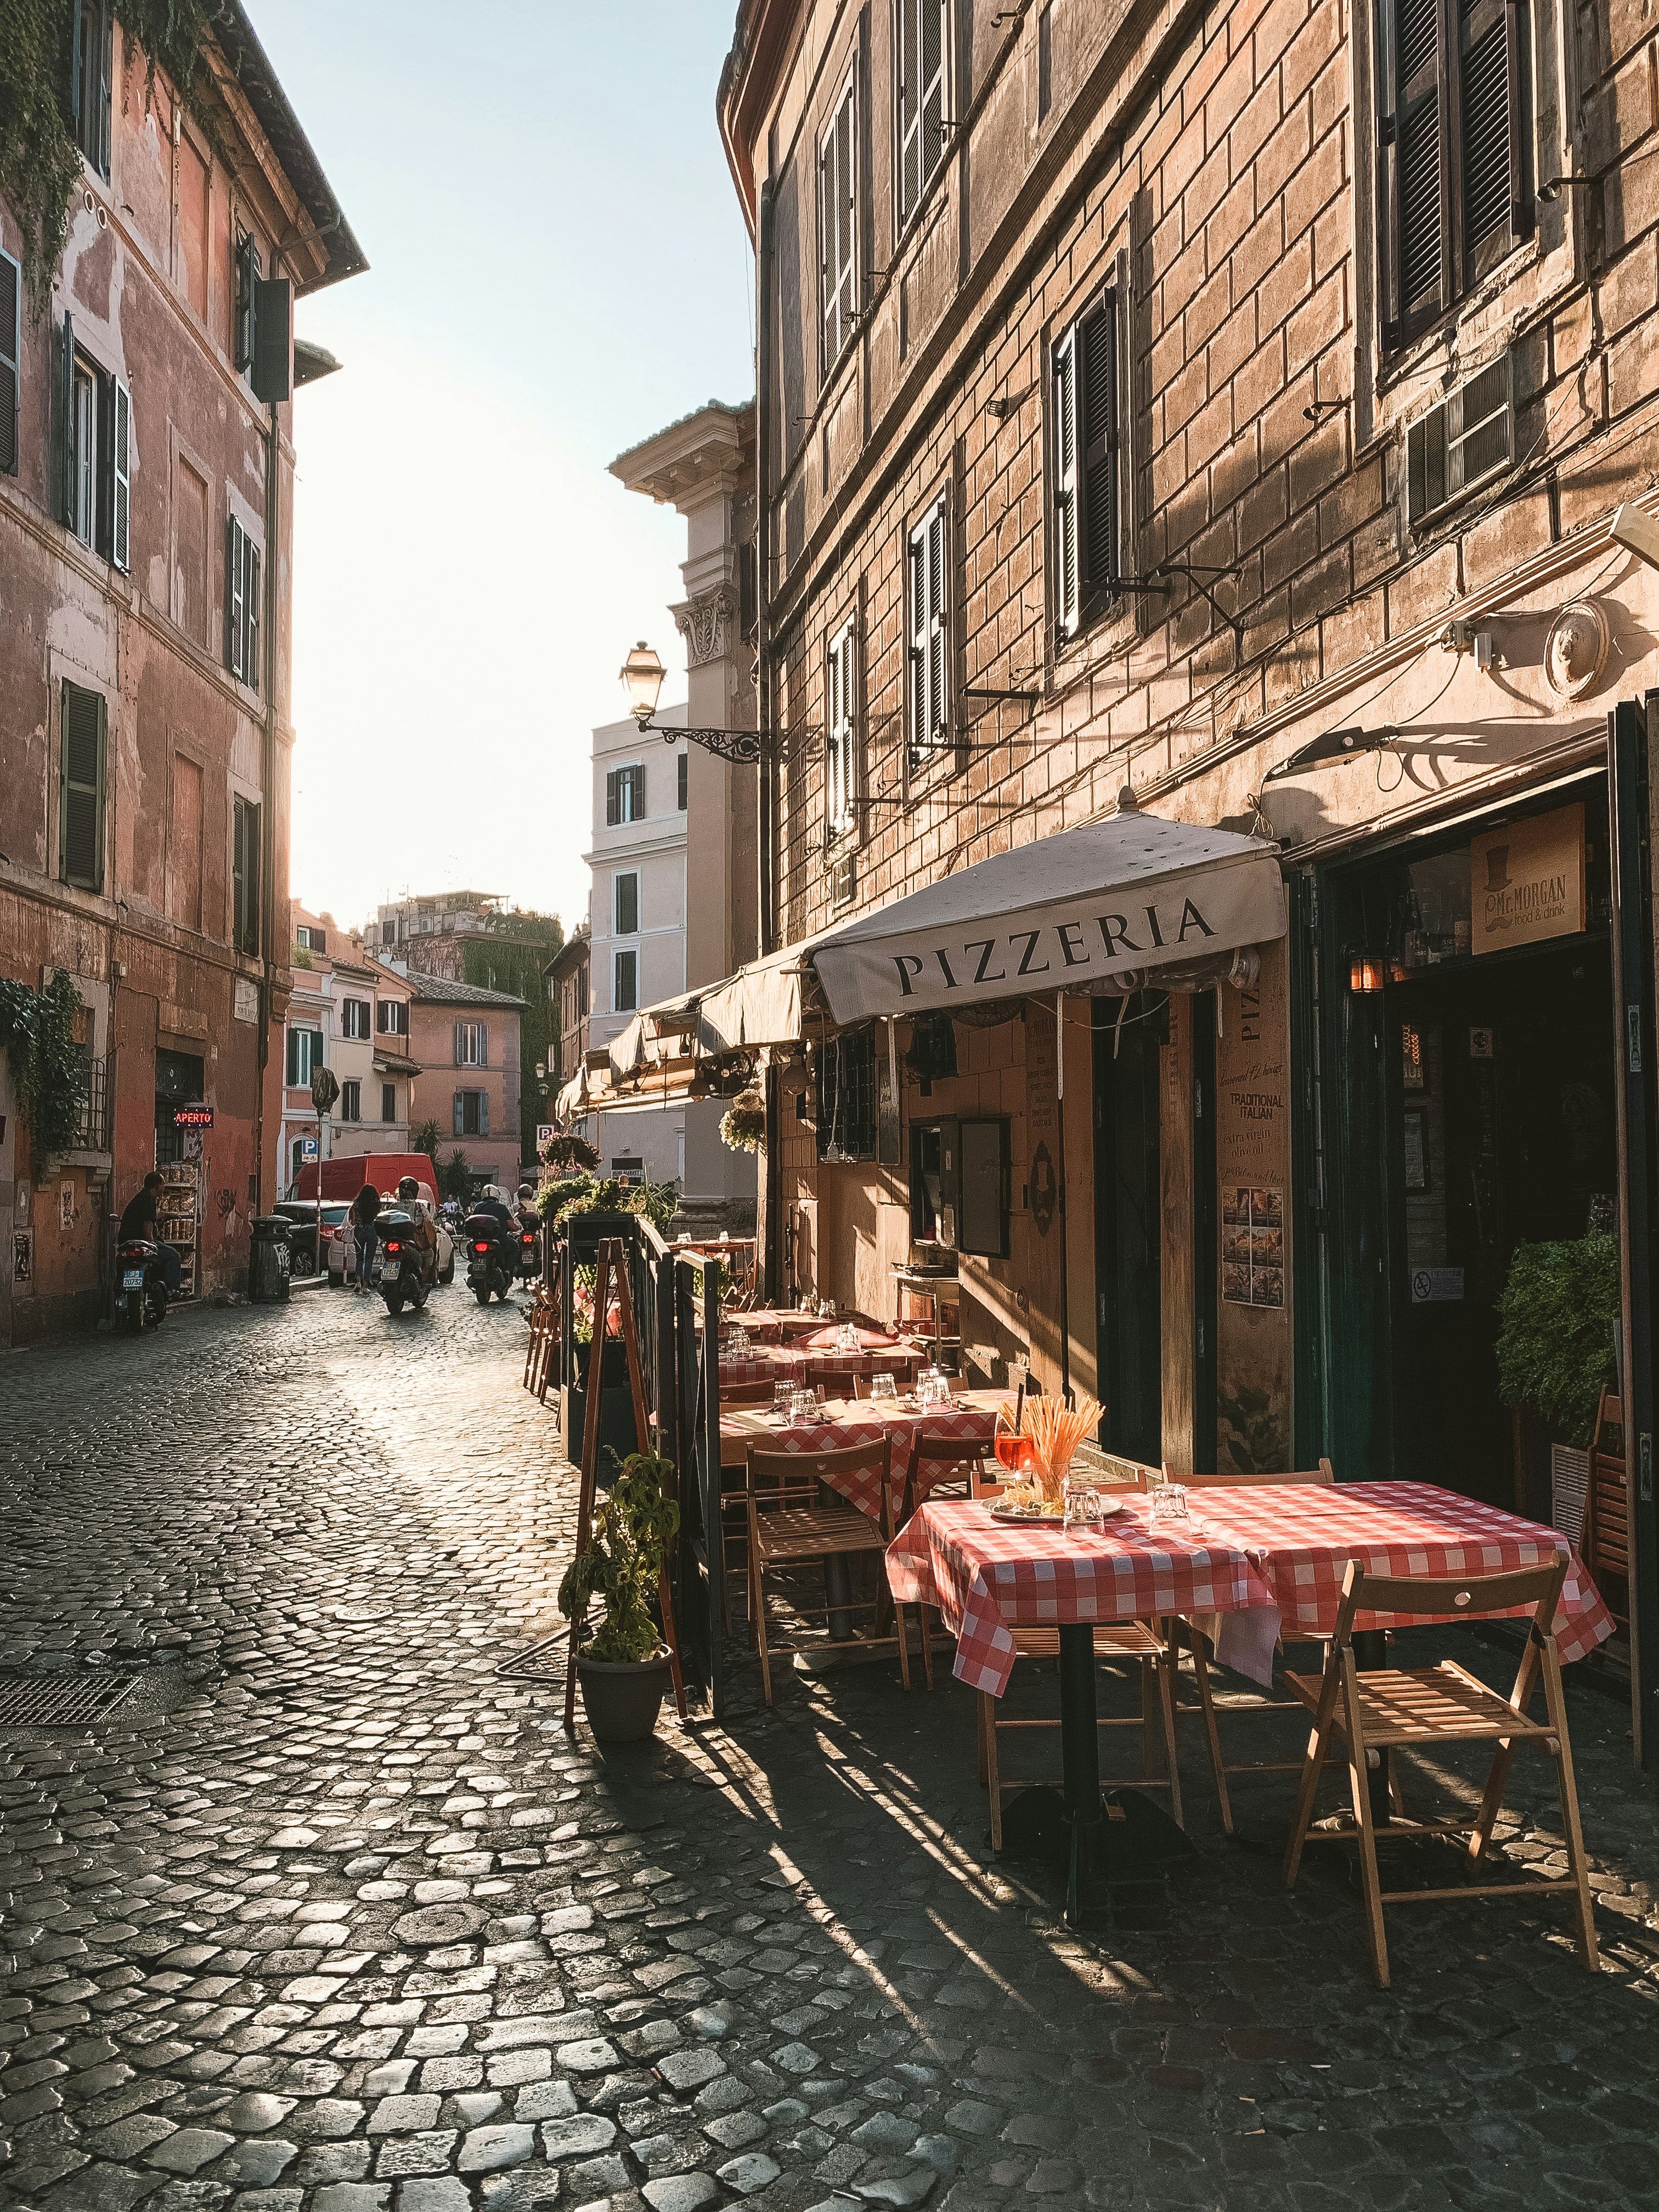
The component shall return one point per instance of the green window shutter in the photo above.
(460, 1113)
(483, 1097)
(11, 359)
(483, 1044)
(121, 476)
(460, 1044)
(273, 338)
(251, 611)
(233, 595)
(1097, 454)
(66, 410)
(82, 751)
(106, 73)
(1066, 498)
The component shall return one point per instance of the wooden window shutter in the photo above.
(909, 104)
(234, 609)
(919, 641)
(11, 360)
(937, 717)
(1065, 493)
(460, 1044)
(1098, 445)
(1493, 203)
(81, 755)
(483, 1097)
(106, 73)
(66, 409)
(483, 1044)
(273, 338)
(1414, 197)
(933, 76)
(460, 1113)
(613, 798)
(251, 610)
(121, 476)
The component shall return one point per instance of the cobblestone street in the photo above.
(333, 1917)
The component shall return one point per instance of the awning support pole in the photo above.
(1059, 1139)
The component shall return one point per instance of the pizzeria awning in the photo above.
(1112, 903)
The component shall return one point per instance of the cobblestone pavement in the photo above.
(339, 1921)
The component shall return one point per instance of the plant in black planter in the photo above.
(1557, 1314)
(623, 1664)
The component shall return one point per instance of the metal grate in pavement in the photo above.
(540, 1662)
(60, 1700)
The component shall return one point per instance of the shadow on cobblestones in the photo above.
(356, 1928)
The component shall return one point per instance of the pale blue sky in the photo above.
(558, 268)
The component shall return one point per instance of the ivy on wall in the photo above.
(48, 1070)
(39, 161)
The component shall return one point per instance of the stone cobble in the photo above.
(335, 1918)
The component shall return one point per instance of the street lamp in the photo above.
(642, 674)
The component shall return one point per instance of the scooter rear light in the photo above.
(527, 1238)
(480, 1247)
(392, 1245)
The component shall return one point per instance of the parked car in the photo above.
(343, 1254)
(302, 1238)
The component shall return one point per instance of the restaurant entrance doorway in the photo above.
(1128, 1034)
(1471, 1094)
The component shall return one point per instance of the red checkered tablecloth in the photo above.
(769, 1363)
(855, 1424)
(1302, 1536)
(987, 1577)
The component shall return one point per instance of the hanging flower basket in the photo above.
(567, 1153)
(743, 1125)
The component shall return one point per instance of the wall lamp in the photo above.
(1334, 745)
(642, 674)
(1638, 532)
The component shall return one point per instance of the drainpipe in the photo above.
(268, 810)
(769, 1225)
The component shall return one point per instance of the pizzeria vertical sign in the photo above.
(1527, 881)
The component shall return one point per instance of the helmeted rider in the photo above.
(423, 1235)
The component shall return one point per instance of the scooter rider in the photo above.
(491, 1202)
(423, 1236)
(139, 1221)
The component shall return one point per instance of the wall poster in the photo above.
(1252, 1174)
(1252, 1246)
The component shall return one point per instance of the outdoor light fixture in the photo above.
(1334, 745)
(1365, 973)
(642, 674)
(1637, 533)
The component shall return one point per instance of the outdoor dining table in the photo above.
(773, 1324)
(971, 1413)
(1255, 1557)
(765, 1363)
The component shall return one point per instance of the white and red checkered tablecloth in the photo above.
(856, 1423)
(1283, 1549)
(1302, 1536)
(770, 1363)
(988, 1577)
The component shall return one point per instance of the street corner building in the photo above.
(1205, 611)
(146, 473)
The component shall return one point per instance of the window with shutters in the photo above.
(1462, 443)
(90, 79)
(1453, 183)
(625, 904)
(624, 982)
(96, 442)
(388, 1101)
(351, 1100)
(472, 1045)
(471, 1113)
(354, 1018)
(305, 1057)
(624, 795)
(847, 1096)
(927, 587)
(243, 605)
(244, 877)
(248, 270)
(82, 756)
(838, 225)
(680, 781)
(391, 1017)
(924, 54)
(1088, 446)
(841, 727)
(11, 359)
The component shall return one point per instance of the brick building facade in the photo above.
(1149, 401)
(145, 503)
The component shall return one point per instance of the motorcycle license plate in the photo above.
(133, 1280)
(390, 1273)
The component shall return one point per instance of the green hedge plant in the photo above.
(1557, 1314)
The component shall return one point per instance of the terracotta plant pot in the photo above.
(623, 1698)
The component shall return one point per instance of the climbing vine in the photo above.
(48, 1070)
(40, 161)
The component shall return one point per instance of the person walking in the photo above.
(364, 1207)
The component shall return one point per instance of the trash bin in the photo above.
(268, 1261)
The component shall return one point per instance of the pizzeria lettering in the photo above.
(1062, 946)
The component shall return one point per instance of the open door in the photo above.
(1633, 727)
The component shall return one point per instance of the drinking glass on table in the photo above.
(1083, 1511)
(1166, 1508)
(884, 1390)
(783, 1393)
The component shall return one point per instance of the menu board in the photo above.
(1252, 1245)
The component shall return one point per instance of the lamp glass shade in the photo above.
(641, 674)
(1366, 973)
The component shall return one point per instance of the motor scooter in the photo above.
(492, 1256)
(403, 1271)
(141, 1284)
(530, 1254)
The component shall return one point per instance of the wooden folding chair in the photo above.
(1385, 1707)
(942, 1467)
(1607, 1511)
(1139, 1640)
(1220, 1767)
(790, 1525)
(747, 1394)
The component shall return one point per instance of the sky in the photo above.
(558, 268)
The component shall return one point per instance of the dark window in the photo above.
(841, 727)
(1088, 453)
(316, 940)
(1453, 192)
(986, 1176)
(625, 982)
(96, 416)
(94, 23)
(305, 1056)
(929, 659)
(247, 277)
(1045, 62)
(924, 48)
(847, 1096)
(625, 904)
(354, 1018)
(679, 780)
(245, 876)
(351, 1100)
(838, 226)
(1462, 443)
(471, 1113)
(11, 358)
(624, 795)
(242, 604)
(388, 1101)
(83, 755)
(391, 1017)
(935, 1179)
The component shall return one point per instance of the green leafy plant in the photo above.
(40, 161)
(588, 1194)
(742, 1126)
(426, 1139)
(632, 1529)
(1555, 1314)
(568, 1153)
(48, 1067)
(455, 1178)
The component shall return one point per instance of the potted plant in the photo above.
(622, 1663)
(1559, 1316)
(568, 1152)
(743, 1125)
